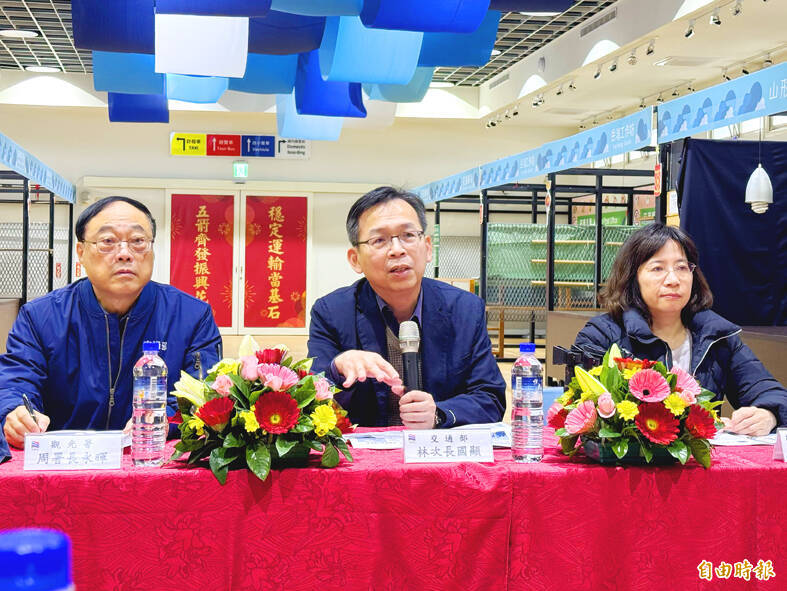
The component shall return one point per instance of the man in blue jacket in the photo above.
(72, 351)
(353, 332)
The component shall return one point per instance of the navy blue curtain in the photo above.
(742, 254)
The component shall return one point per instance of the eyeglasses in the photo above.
(408, 238)
(109, 245)
(681, 270)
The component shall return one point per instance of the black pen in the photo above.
(29, 408)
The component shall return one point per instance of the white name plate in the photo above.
(448, 445)
(780, 448)
(74, 450)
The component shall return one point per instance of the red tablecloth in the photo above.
(380, 524)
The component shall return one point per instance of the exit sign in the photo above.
(240, 169)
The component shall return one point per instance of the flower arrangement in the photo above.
(628, 403)
(259, 410)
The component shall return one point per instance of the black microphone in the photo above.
(409, 340)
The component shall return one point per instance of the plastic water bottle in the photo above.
(527, 417)
(150, 425)
(35, 560)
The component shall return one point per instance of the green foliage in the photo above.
(679, 451)
(607, 433)
(700, 449)
(330, 457)
(620, 447)
(258, 459)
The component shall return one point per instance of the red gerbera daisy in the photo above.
(276, 412)
(700, 423)
(657, 423)
(270, 355)
(629, 363)
(556, 415)
(216, 413)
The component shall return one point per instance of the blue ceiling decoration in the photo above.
(461, 49)
(119, 25)
(138, 108)
(531, 5)
(319, 8)
(195, 89)
(267, 74)
(214, 7)
(454, 16)
(315, 96)
(351, 52)
(412, 92)
(291, 124)
(131, 73)
(281, 33)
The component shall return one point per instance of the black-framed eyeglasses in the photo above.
(109, 245)
(408, 238)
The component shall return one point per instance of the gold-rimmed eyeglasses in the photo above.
(408, 238)
(110, 245)
(681, 270)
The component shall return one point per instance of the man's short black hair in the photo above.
(376, 197)
(93, 210)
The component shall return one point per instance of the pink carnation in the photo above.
(277, 377)
(323, 388)
(606, 406)
(248, 367)
(649, 386)
(686, 386)
(222, 385)
(581, 419)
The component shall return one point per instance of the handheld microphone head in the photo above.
(409, 337)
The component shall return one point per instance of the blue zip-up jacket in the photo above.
(65, 352)
(459, 370)
(720, 361)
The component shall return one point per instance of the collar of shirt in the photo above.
(390, 319)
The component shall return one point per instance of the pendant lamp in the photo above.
(759, 190)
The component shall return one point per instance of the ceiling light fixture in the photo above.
(767, 62)
(675, 92)
(597, 75)
(538, 13)
(614, 65)
(651, 47)
(690, 31)
(441, 84)
(495, 52)
(632, 58)
(18, 34)
(572, 86)
(737, 9)
(515, 112)
(744, 71)
(724, 75)
(714, 18)
(660, 99)
(642, 103)
(559, 91)
(43, 69)
(690, 88)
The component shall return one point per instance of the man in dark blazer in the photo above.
(354, 329)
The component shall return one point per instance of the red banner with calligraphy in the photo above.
(275, 262)
(201, 250)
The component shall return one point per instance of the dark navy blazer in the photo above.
(458, 367)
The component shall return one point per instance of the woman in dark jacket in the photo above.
(658, 308)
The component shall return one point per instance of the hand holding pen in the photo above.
(23, 419)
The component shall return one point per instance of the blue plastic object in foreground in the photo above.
(267, 74)
(280, 33)
(195, 89)
(321, 8)
(113, 26)
(138, 108)
(351, 52)
(454, 16)
(306, 127)
(457, 49)
(35, 560)
(214, 7)
(315, 96)
(412, 92)
(131, 73)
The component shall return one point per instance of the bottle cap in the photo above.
(34, 560)
(150, 347)
(527, 347)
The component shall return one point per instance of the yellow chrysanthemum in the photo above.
(324, 419)
(226, 366)
(565, 398)
(249, 420)
(197, 424)
(596, 371)
(629, 372)
(675, 404)
(627, 409)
